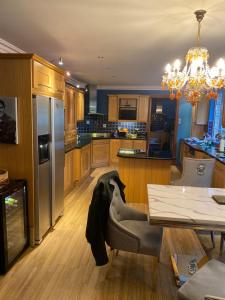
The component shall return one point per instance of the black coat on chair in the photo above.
(98, 215)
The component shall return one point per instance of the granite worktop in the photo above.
(143, 155)
(210, 150)
(87, 138)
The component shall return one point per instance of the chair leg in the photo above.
(212, 238)
(117, 252)
(155, 273)
(222, 243)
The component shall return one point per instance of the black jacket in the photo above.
(98, 215)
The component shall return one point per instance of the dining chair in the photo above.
(129, 229)
(198, 173)
(206, 284)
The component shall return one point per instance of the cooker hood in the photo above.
(93, 101)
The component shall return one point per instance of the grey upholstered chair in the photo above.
(206, 283)
(129, 229)
(196, 172)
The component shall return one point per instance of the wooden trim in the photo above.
(34, 57)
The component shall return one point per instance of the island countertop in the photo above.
(144, 155)
(211, 151)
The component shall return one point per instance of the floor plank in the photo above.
(62, 267)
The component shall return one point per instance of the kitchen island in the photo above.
(138, 170)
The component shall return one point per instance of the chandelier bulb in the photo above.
(168, 68)
(177, 64)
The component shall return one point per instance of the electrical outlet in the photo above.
(104, 125)
(88, 122)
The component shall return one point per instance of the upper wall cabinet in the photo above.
(113, 108)
(80, 105)
(48, 81)
(128, 108)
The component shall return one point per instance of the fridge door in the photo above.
(42, 137)
(58, 154)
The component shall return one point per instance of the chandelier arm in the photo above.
(198, 34)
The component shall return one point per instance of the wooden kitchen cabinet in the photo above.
(139, 144)
(143, 109)
(113, 108)
(128, 144)
(219, 175)
(70, 115)
(68, 172)
(79, 105)
(114, 148)
(48, 81)
(85, 161)
(100, 153)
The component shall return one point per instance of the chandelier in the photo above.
(196, 79)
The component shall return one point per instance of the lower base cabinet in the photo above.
(77, 166)
(100, 153)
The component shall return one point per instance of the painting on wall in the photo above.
(8, 120)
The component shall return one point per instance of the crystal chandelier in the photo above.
(196, 79)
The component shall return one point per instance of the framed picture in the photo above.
(8, 120)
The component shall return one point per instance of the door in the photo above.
(41, 125)
(58, 157)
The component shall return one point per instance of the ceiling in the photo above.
(135, 37)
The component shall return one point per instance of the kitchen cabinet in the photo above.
(68, 172)
(114, 148)
(79, 105)
(219, 175)
(113, 108)
(100, 153)
(70, 115)
(139, 144)
(85, 161)
(137, 104)
(128, 144)
(48, 81)
(143, 109)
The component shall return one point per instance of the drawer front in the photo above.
(126, 144)
(100, 142)
(140, 145)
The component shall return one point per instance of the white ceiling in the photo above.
(136, 37)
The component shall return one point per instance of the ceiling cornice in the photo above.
(6, 47)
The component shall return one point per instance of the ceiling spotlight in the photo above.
(60, 62)
(78, 86)
(68, 73)
(86, 90)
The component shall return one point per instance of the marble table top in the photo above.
(185, 206)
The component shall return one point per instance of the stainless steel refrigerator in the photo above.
(49, 162)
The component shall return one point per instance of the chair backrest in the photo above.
(197, 172)
(117, 204)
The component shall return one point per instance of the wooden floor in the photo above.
(62, 267)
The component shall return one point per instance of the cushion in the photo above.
(209, 280)
(150, 236)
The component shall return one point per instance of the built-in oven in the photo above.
(128, 108)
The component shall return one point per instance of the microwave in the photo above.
(128, 109)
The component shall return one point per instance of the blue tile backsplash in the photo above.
(95, 124)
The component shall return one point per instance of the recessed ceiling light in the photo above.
(113, 76)
(68, 73)
(60, 62)
(100, 57)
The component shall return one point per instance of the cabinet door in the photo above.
(138, 144)
(100, 153)
(128, 144)
(219, 175)
(58, 84)
(85, 161)
(114, 148)
(42, 77)
(80, 106)
(68, 178)
(113, 108)
(143, 108)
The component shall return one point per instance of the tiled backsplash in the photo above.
(97, 123)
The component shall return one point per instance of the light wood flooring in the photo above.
(62, 267)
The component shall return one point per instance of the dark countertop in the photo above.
(210, 150)
(85, 140)
(144, 156)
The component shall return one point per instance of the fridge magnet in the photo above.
(8, 120)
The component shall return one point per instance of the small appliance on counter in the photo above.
(13, 222)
